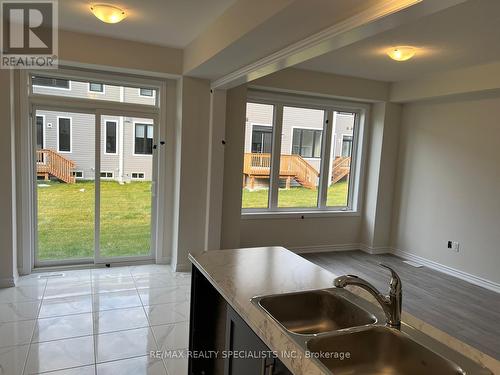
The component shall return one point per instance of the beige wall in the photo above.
(8, 260)
(449, 184)
(118, 53)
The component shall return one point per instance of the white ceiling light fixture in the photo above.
(108, 13)
(401, 53)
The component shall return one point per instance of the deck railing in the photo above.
(49, 162)
(291, 166)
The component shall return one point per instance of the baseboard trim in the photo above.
(375, 249)
(323, 248)
(7, 282)
(476, 280)
(164, 260)
(184, 267)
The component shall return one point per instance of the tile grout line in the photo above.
(34, 328)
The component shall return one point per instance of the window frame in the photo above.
(356, 177)
(106, 137)
(78, 171)
(106, 177)
(137, 178)
(146, 96)
(44, 138)
(103, 92)
(254, 124)
(314, 130)
(70, 135)
(133, 137)
(55, 87)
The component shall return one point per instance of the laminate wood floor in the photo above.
(463, 310)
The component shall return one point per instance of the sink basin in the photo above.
(314, 312)
(380, 350)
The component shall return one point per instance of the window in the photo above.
(258, 150)
(262, 137)
(40, 142)
(346, 145)
(105, 175)
(50, 82)
(96, 87)
(64, 134)
(299, 178)
(143, 139)
(317, 168)
(78, 174)
(307, 143)
(146, 92)
(137, 176)
(110, 137)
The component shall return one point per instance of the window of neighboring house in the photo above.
(146, 92)
(137, 176)
(310, 173)
(262, 139)
(64, 134)
(106, 175)
(110, 137)
(143, 139)
(78, 174)
(258, 155)
(96, 87)
(50, 82)
(307, 142)
(346, 145)
(39, 132)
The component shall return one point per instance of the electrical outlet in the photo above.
(454, 245)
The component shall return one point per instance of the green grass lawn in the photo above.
(296, 197)
(66, 219)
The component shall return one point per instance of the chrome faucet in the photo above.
(391, 304)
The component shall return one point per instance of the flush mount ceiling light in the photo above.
(108, 13)
(401, 53)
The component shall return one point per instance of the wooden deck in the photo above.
(292, 167)
(50, 163)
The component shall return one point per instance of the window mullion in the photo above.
(275, 157)
(325, 160)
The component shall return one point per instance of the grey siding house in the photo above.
(126, 142)
(302, 134)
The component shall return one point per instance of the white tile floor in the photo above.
(95, 322)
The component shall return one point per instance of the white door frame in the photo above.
(29, 103)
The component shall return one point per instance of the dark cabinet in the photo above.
(215, 326)
(251, 355)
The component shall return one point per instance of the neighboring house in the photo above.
(302, 133)
(72, 135)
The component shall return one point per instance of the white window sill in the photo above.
(259, 215)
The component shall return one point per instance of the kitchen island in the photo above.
(225, 320)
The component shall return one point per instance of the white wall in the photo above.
(448, 185)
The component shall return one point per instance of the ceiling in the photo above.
(464, 35)
(172, 23)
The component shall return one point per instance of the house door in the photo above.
(94, 191)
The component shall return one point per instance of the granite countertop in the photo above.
(240, 274)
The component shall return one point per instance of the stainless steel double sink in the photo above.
(347, 335)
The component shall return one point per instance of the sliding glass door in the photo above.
(126, 186)
(95, 179)
(64, 185)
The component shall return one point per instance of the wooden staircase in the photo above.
(256, 165)
(50, 163)
(341, 168)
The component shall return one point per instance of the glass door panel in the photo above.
(64, 145)
(126, 185)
